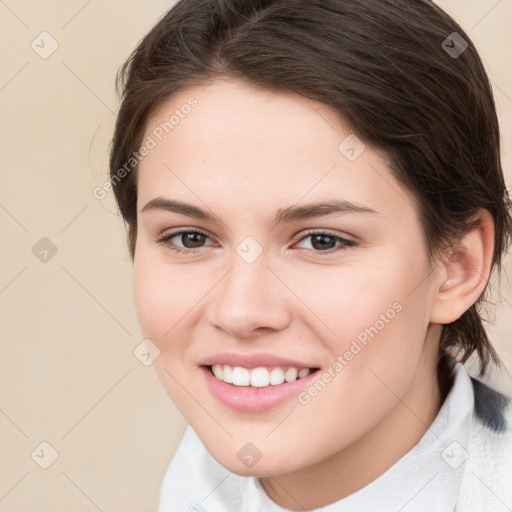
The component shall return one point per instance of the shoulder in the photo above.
(486, 483)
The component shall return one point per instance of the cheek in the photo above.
(365, 299)
(376, 323)
(163, 297)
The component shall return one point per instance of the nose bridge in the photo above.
(249, 297)
(244, 285)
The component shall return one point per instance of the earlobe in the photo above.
(465, 272)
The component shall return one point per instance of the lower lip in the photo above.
(252, 399)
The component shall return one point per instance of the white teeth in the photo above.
(276, 376)
(241, 376)
(218, 371)
(260, 377)
(228, 374)
(257, 377)
(291, 374)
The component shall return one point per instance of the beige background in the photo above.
(68, 374)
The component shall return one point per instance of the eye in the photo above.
(326, 242)
(322, 242)
(191, 240)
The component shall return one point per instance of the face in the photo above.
(238, 265)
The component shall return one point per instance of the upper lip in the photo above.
(253, 360)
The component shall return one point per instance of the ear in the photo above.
(464, 272)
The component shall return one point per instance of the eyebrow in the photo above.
(283, 215)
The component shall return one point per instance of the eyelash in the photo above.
(344, 242)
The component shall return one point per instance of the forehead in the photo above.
(260, 146)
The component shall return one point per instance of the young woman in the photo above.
(315, 203)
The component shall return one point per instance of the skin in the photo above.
(243, 154)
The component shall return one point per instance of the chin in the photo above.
(247, 460)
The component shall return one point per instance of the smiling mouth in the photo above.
(259, 377)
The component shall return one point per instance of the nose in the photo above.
(250, 300)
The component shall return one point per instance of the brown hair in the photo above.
(383, 65)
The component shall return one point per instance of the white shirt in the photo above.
(463, 463)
